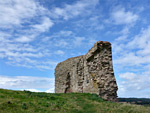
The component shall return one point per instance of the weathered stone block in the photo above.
(90, 73)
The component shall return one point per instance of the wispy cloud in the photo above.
(15, 12)
(121, 16)
(25, 82)
(24, 24)
(134, 83)
(59, 52)
(78, 41)
(131, 56)
(79, 8)
(136, 50)
(17, 31)
(25, 39)
(44, 26)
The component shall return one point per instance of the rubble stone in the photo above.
(90, 73)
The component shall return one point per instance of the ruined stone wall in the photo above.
(90, 73)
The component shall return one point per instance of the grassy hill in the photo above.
(31, 102)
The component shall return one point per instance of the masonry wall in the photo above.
(90, 73)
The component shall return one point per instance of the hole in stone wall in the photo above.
(68, 88)
(87, 81)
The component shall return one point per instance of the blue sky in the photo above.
(35, 35)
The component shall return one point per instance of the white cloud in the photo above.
(50, 90)
(65, 33)
(15, 12)
(91, 41)
(47, 90)
(134, 85)
(59, 52)
(78, 41)
(30, 63)
(62, 33)
(125, 31)
(134, 51)
(26, 82)
(24, 24)
(129, 59)
(32, 90)
(40, 67)
(22, 55)
(120, 16)
(24, 39)
(34, 30)
(128, 76)
(132, 58)
(61, 43)
(141, 40)
(44, 26)
(77, 9)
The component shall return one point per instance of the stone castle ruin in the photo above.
(90, 73)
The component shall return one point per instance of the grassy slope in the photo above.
(29, 102)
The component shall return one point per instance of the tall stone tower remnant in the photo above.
(89, 73)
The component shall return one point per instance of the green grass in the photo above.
(31, 102)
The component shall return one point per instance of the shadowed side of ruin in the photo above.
(90, 73)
